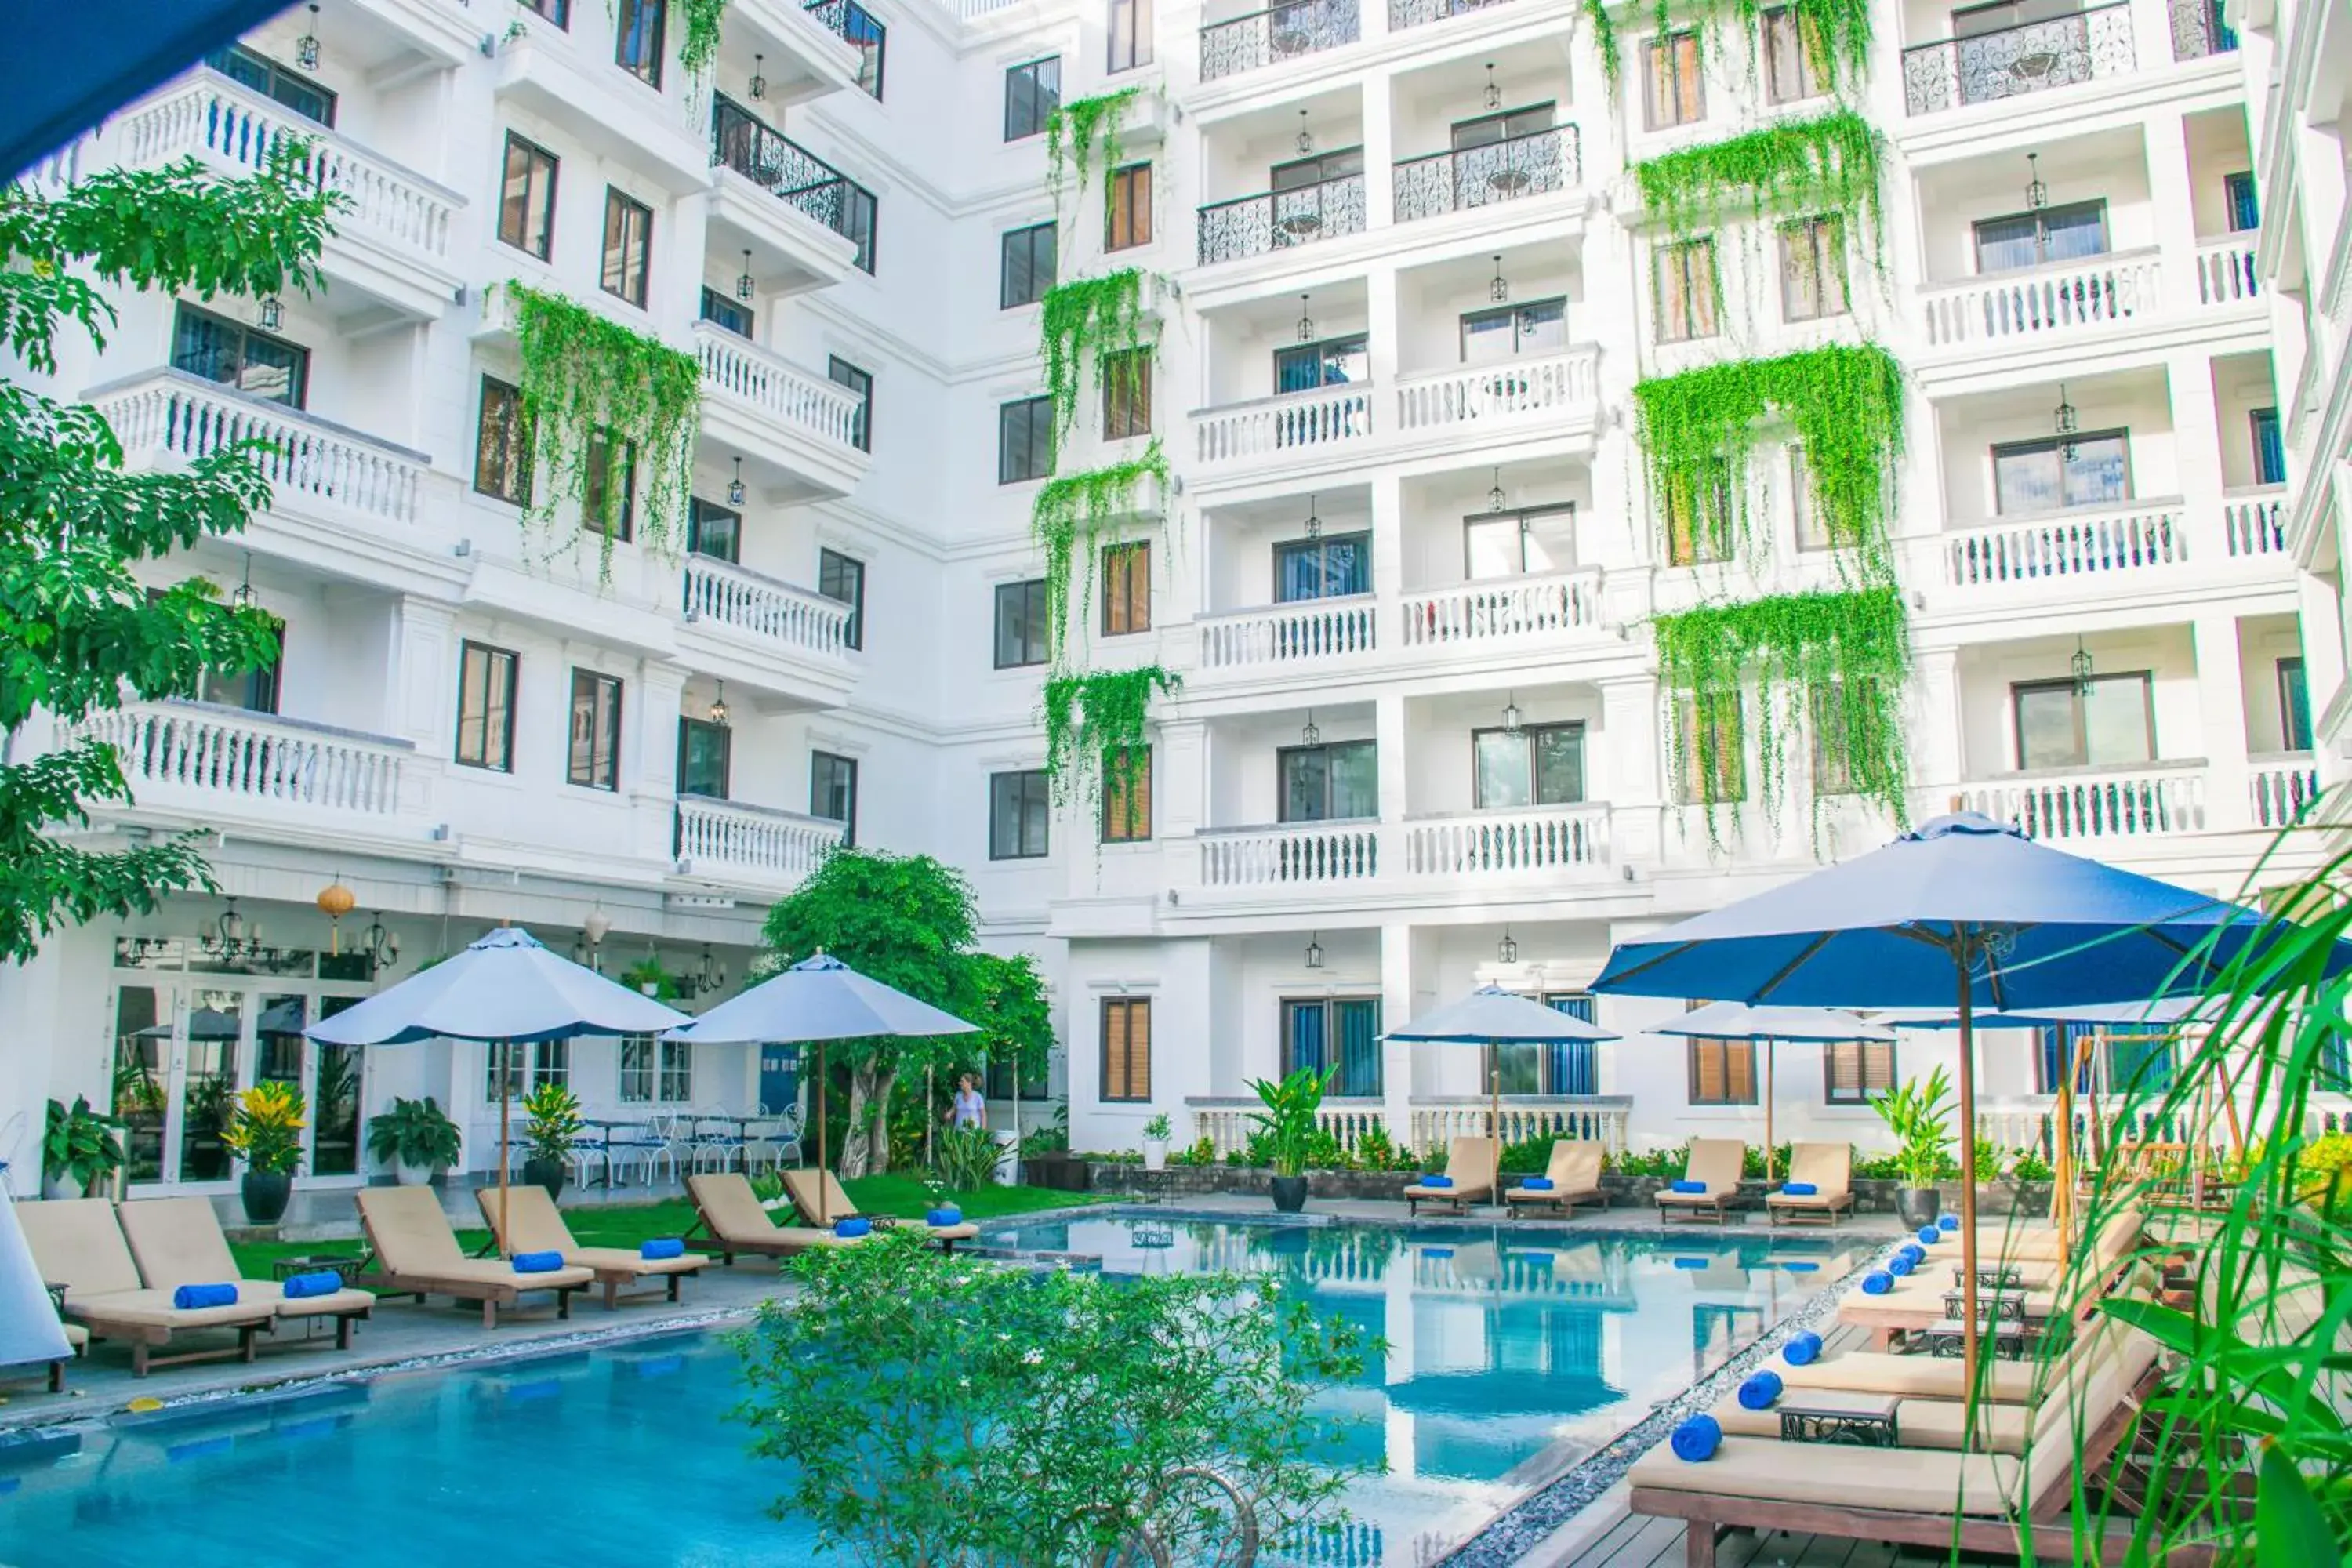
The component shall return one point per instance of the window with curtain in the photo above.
(1812, 268)
(1551, 1067)
(1338, 1035)
(2294, 705)
(1854, 1070)
(1536, 764)
(486, 688)
(1130, 35)
(1830, 713)
(594, 759)
(1515, 332)
(1686, 294)
(725, 310)
(628, 247)
(869, 39)
(1127, 796)
(610, 469)
(1518, 543)
(1334, 361)
(234, 355)
(276, 82)
(2245, 209)
(1722, 760)
(2052, 475)
(1126, 1048)
(706, 754)
(2108, 721)
(527, 198)
(1330, 567)
(1792, 52)
(1675, 96)
(637, 41)
(502, 445)
(2269, 450)
(1127, 588)
(713, 530)
(1127, 208)
(1126, 378)
(833, 792)
(1339, 782)
(2017, 240)
(1691, 536)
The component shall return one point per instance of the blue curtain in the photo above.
(1306, 1037)
(2270, 449)
(1573, 1066)
(2139, 1064)
(1346, 566)
(2058, 1047)
(1359, 1047)
(1299, 573)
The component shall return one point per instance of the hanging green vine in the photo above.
(1845, 402)
(1088, 318)
(1830, 162)
(1071, 512)
(1835, 33)
(699, 47)
(1094, 723)
(586, 377)
(1084, 133)
(1604, 39)
(1829, 664)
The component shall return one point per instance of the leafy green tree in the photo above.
(76, 626)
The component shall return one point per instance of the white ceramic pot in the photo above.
(409, 1175)
(54, 1188)
(1155, 1153)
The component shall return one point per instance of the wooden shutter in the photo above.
(1127, 1048)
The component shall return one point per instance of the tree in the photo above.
(908, 921)
(76, 627)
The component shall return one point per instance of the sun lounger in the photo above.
(531, 1222)
(1827, 1169)
(78, 1242)
(1470, 1166)
(1716, 1163)
(178, 1241)
(1574, 1171)
(416, 1254)
(729, 1212)
(823, 1202)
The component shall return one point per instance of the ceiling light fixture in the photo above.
(2066, 421)
(1496, 499)
(242, 596)
(2037, 195)
(1499, 290)
(1314, 524)
(1314, 950)
(1494, 93)
(1507, 950)
(735, 490)
(1306, 137)
(759, 82)
(1309, 735)
(1305, 322)
(306, 48)
(270, 314)
(1513, 719)
(719, 706)
(2080, 667)
(745, 287)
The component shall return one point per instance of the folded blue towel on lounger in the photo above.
(945, 1216)
(1437, 1180)
(1929, 1234)
(538, 1262)
(1914, 1251)
(1761, 1391)
(1900, 1264)
(1877, 1282)
(1691, 1187)
(1948, 1221)
(662, 1248)
(1802, 1349)
(1800, 1190)
(1536, 1185)
(1696, 1438)
(196, 1298)
(319, 1282)
(856, 1226)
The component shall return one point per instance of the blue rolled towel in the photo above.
(319, 1282)
(1900, 1264)
(538, 1262)
(1877, 1282)
(1688, 1186)
(1761, 1389)
(1929, 1236)
(1800, 1190)
(662, 1248)
(1914, 1251)
(1802, 1350)
(1796, 1267)
(942, 1218)
(1948, 1221)
(1437, 1180)
(1696, 1439)
(196, 1298)
(1690, 1262)
(1536, 1185)
(857, 1225)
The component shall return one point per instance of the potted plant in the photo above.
(1155, 1142)
(264, 1131)
(1915, 1112)
(648, 976)
(1286, 1129)
(553, 1128)
(79, 1148)
(414, 1138)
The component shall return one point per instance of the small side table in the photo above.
(1991, 1276)
(2008, 1342)
(1847, 1420)
(2000, 1306)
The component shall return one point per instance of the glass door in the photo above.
(212, 1031)
(336, 1085)
(142, 1074)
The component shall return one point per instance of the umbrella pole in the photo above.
(931, 1161)
(2061, 1193)
(1768, 1110)
(1968, 1346)
(506, 1094)
(820, 1135)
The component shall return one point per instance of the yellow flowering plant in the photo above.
(265, 1129)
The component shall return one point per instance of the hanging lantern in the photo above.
(744, 285)
(2037, 195)
(270, 314)
(1306, 137)
(1494, 93)
(1496, 499)
(335, 902)
(1305, 322)
(242, 596)
(1314, 950)
(719, 706)
(596, 927)
(2081, 666)
(1314, 524)
(2066, 421)
(306, 48)
(1513, 719)
(735, 490)
(1309, 735)
(1507, 950)
(1498, 290)
(759, 81)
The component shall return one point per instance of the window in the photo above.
(485, 690)
(1812, 269)
(1334, 361)
(861, 382)
(1126, 1048)
(556, 11)
(256, 363)
(2270, 451)
(1687, 298)
(1832, 717)
(1340, 1036)
(2245, 210)
(1127, 795)
(1487, 129)
(1339, 782)
(724, 311)
(1696, 527)
(2294, 705)
(1127, 208)
(1330, 567)
(1855, 1070)
(859, 214)
(1556, 1067)
(1130, 35)
(1539, 765)
(1711, 750)
(1316, 169)
(843, 578)
(255, 690)
(1127, 588)
(1022, 624)
(706, 758)
(1792, 57)
(1126, 394)
(656, 1071)
(2105, 721)
(1722, 1072)
(1674, 96)
(525, 1067)
(638, 42)
(608, 502)
(867, 37)
(2089, 470)
(2054, 233)
(833, 792)
(526, 198)
(1020, 812)
(2106, 1061)
(594, 760)
(1024, 440)
(275, 83)
(1028, 265)
(1538, 327)
(502, 445)
(713, 530)
(628, 246)
(1517, 543)
(1031, 93)
(1813, 532)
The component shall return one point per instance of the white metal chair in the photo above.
(716, 1140)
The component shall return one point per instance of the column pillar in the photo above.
(1388, 539)
(2197, 445)
(2323, 654)
(1379, 128)
(2167, 176)
(650, 754)
(1389, 734)
(2222, 713)
(1624, 766)
(1939, 762)
(1183, 801)
(421, 676)
(1397, 1003)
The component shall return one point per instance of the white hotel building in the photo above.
(1405, 290)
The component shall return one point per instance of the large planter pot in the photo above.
(544, 1173)
(55, 1187)
(1289, 1193)
(265, 1194)
(1155, 1153)
(1917, 1206)
(409, 1175)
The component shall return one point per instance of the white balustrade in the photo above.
(2095, 807)
(1599, 1119)
(2100, 543)
(727, 595)
(744, 373)
(1284, 634)
(196, 756)
(2284, 788)
(730, 835)
(1470, 613)
(1298, 854)
(1323, 416)
(231, 126)
(2069, 297)
(2253, 522)
(1225, 1119)
(2225, 271)
(1530, 839)
(169, 412)
(1562, 383)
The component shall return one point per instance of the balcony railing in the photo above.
(1471, 614)
(1296, 854)
(1528, 165)
(1286, 634)
(2198, 30)
(1323, 416)
(1226, 1120)
(1500, 391)
(2253, 522)
(1403, 14)
(1277, 33)
(722, 594)
(744, 143)
(778, 846)
(746, 375)
(198, 756)
(2096, 807)
(2284, 788)
(2088, 46)
(2063, 297)
(2108, 545)
(2225, 271)
(1537, 839)
(1253, 226)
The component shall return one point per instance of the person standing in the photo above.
(971, 1107)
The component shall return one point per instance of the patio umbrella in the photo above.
(505, 990)
(1738, 1021)
(1491, 1016)
(817, 1000)
(1960, 907)
(29, 1330)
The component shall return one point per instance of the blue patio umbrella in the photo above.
(1491, 1016)
(1738, 1021)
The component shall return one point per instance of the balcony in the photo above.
(2059, 301)
(2284, 785)
(1227, 1120)
(754, 846)
(1277, 33)
(1467, 620)
(2198, 30)
(1536, 844)
(438, 32)
(766, 635)
(1276, 220)
(391, 243)
(2225, 271)
(1403, 14)
(807, 48)
(573, 82)
(200, 764)
(2115, 547)
(1532, 165)
(2098, 811)
(1324, 420)
(798, 429)
(1563, 386)
(2090, 45)
(774, 198)
(1290, 634)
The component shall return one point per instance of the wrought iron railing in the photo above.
(2086, 46)
(1405, 14)
(1251, 226)
(744, 143)
(1277, 33)
(1526, 166)
(2198, 30)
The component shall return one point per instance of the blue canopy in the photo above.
(2162, 1012)
(505, 987)
(1491, 1016)
(820, 998)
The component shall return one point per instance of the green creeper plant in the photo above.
(1087, 319)
(1829, 162)
(1094, 723)
(1083, 134)
(699, 47)
(1835, 33)
(1070, 514)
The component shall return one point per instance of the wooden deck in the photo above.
(1638, 1542)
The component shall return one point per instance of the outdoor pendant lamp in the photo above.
(1498, 290)
(1305, 322)
(2067, 422)
(735, 491)
(1309, 735)
(306, 48)
(759, 82)
(1494, 92)
(1306, 137)
(1314, 950)
(1512, 716)
(1314, 524)
(2081, 666)
(719, 706)
(1507, 950)
(744, 286)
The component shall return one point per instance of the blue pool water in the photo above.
(1511, 1353)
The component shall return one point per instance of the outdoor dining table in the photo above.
(742, 1126)
(608, 1129)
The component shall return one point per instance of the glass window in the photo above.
(1538, 327)
(526, 198)
(336, 1077)
(556, 11)
(1127, 796)
(628, 247)
(706, 756)
(833, 792)
(2294, 705)
(1830, 719)
(525, 1067)
(1339, 782)
(713, 530)
(1519, 542)
(2090, 470)
(1126, 1049)
(1335, 361)
(1488, 129)
(1020, 812)
(677, 1071)
(255, 690)
(1022, 624)
(843, 578)
(867, 37)
(1127, 588)
(1126, 394)
(1812, 534)
(859, 217)
(1028, 265)
(1330, 567)
(595, 760)
(636, 1069)
(1687, 297)
(1130, 33)
(1855, 1070)
(485, 689)
(2054, 233)
(1539, 765)
(861, 382)
(2270, 451)
(234, 355)
(1316, 169)
(2108, 721)
(142, 1077)
(656, 1071)
(1024, 440)
(1695, 533)
(2245, 209)
(1572, 1066)
(1712, 755)
(274, 81)
(502, 445)
(1031, 93)
(608, 502)
(723, 311)
(1674, 94)
(1792, 57)
(1127, 208)
(1812, 269)
(1722, 1072)
(1340, 1036)
(638, 42)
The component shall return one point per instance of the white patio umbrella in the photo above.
(1738, 1021)
(505, 990)
(29, 1330)
(1491, 1016)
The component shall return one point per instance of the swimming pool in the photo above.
(1511, 1353)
